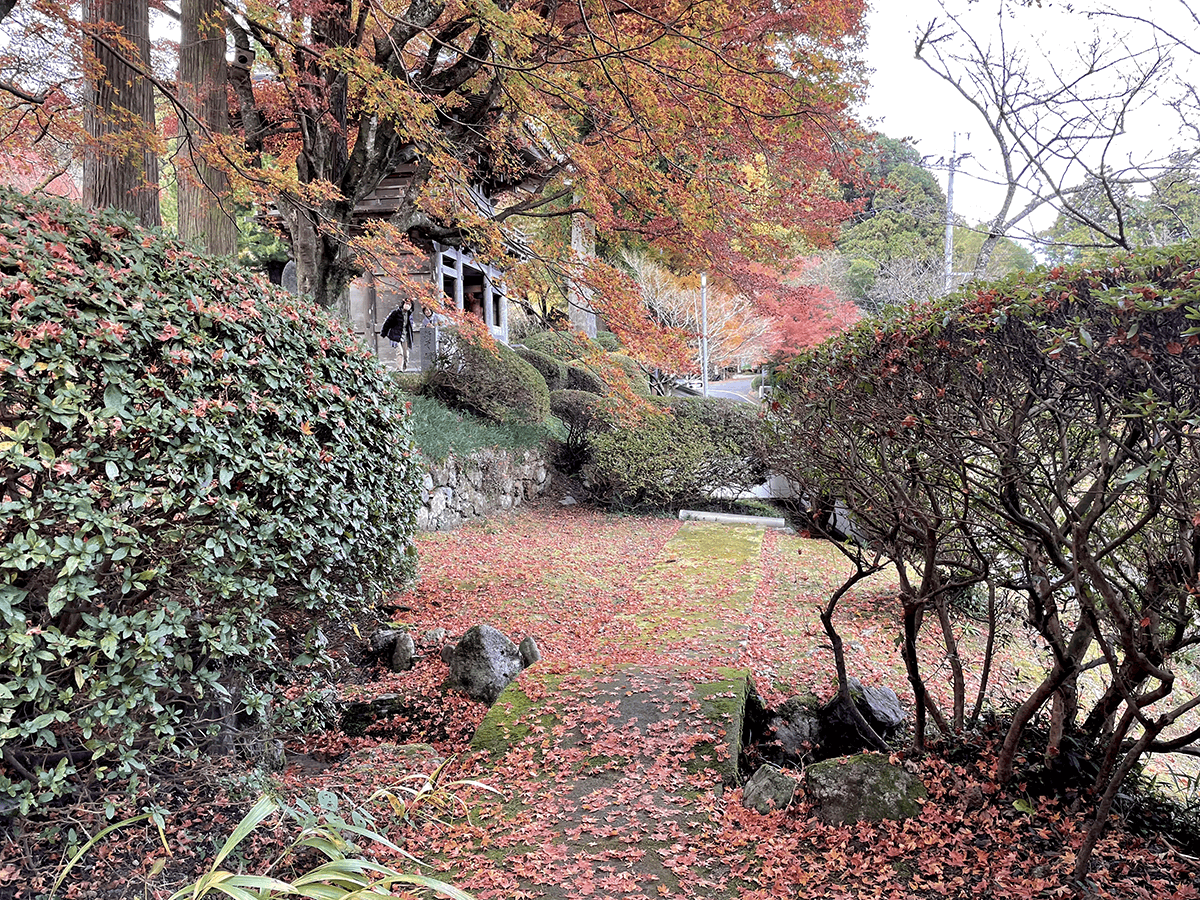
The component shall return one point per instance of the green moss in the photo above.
(509, 719)
(724, 702)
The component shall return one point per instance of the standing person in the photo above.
(398, 328)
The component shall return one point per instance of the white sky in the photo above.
(907, 100)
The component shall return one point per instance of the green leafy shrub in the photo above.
(564, 345)
(554, 371)
(488, 379)
(609, 341)
(188, 454)
(408, 382)
(1034, 437)
(677, 452)
(631, 373)
(582, 378)
(592, 365)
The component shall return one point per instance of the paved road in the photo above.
(734, 389)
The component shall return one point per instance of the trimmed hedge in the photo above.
(564, 345)
(609, 341)
(188, 453)
(553, 370)
(582, 378)
(488, 379)
(679, 451)
(589, 365)
(1037, 435)
(633, 374)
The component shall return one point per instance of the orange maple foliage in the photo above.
(705, 128)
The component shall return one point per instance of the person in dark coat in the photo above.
(398, 329)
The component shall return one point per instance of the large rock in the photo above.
(529, 651)
(484, 662)
(404, 655)
(381, 642)
(768, 789)
(840, 732)
(879, 705)
(862, 787)
(796, 728)
(392, 647)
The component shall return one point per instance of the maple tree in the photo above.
(638, 115)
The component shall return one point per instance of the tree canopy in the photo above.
(707, 128)
(893, 250)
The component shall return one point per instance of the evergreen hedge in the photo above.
(187, 454)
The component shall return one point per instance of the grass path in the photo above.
(618, 767)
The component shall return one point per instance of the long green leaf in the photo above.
(261, 883)
(236, 892)
(321, 892)
(433, 884)
(352, 870)
(263, 808)
(89, 845)
(369, 835)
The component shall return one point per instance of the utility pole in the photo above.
(704, 332)
(949, 262)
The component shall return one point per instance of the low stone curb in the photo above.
(734, 519)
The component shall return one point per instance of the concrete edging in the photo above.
(734, 519)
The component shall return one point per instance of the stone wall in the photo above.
(458, 490)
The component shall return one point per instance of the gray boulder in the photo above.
(381, 641)
(768, 789)
(529, 651)
(433, 637)
(484, 662)
(862, 787)
(796, 727)
(404, 654)
(879, 705)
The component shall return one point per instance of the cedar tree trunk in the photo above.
(204, 220)
(121, 164)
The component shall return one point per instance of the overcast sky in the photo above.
(907, 100)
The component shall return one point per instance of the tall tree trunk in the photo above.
(121, 164)
(204, 219)
(324, 264)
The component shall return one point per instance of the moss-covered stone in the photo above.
(863, 787)
(510, 719)
(724, 702)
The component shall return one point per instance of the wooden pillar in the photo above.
(436, 270)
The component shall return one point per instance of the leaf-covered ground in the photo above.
(611, 765)
(605, 800)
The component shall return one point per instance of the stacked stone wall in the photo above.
(475, 486)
